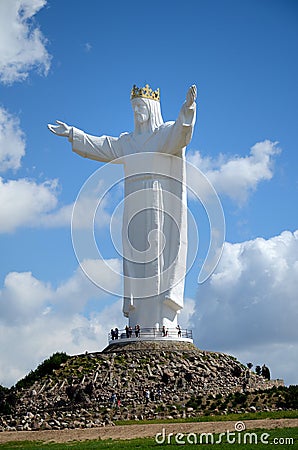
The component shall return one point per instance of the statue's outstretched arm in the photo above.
(100, 148)
(62, 129)
(181, 131)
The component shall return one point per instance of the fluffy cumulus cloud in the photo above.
(237, 177)
(248, 307)
(22, 44)
(12, 141)
(186, 314)
(24, 202)
(37, 319)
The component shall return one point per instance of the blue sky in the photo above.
(78, 63)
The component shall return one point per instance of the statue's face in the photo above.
(140, 110)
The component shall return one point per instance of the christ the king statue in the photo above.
(153, 286)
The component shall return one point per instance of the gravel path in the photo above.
(140, 431)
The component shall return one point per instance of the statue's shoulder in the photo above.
(165, 127)
(124, 137)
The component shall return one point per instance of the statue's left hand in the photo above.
(191, 95)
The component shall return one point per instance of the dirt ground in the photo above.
(140, 431)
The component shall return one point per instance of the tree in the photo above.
(265, 372)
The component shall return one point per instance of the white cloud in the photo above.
(249, 305)
(45, 319)
(87, 47)
(104, 273)
(186, 314)
(58, 218)
(237, 177)
(22, 45)
(12, 141)
(91, 210)
(25, 203)
(23, 297)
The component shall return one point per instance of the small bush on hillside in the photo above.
(45, 368)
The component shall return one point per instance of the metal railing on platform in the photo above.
(149, 333)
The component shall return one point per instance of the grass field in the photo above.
(283, 438)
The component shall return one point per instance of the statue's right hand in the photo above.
(62, 129)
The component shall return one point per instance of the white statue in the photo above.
(154, 284)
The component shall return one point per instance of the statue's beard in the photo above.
(141, 118)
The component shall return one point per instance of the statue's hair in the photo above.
(155, 117)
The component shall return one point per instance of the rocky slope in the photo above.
(133, 381)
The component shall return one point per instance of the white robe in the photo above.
(153, 280)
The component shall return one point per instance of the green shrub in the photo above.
(47, 367)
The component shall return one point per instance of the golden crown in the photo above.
(145, 92)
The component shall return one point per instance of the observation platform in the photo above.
(150, 334)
